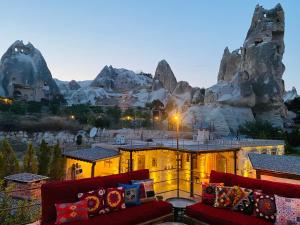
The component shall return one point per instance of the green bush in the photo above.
(34, 107)
(260, 130)
(18, 108)
(14, 212)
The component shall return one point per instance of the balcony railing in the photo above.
(18, 211)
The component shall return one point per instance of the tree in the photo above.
(260, 130)
(102, 122)
(157, 104)
(44, 158)
(34, 107)
(18, 108)
(57, 165)
(115, 113)
(9, 164)
(30, 163)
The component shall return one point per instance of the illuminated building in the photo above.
(195, 161)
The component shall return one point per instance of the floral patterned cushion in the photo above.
(147, 192)
(265, 206)
(209, 192)
(95, 201)
(115, 198)
(228, 197)
(288, 211)
(69, 212)
(132, 194)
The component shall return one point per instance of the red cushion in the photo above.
(217, 216)
(69, 212)
(129, 216)
(66, 191)
(267, 187)
(95, 201)
(115, 198)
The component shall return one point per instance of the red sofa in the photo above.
(66, 191)
(216, 216)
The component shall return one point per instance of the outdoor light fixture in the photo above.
(177, 119)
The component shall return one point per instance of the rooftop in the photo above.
(185, 145)
(275, 163)
(25, 177)
(93, 154)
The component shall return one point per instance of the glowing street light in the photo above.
(72, 117)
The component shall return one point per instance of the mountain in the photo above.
(251, 76)
(112, 86)
(249, 82)
(290, 95)
(120, 80)
(24, 73)
(164, 76)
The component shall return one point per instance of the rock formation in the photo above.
(290, 95)
(165, 76)
(73, 85)
(252, 75)
(120, 80)
(25, 74)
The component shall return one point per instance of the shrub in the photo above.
(260, 130)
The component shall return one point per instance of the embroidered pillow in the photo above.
(115, 198)
(209, 192)
(132, 194)
(265, 206)
(246, 204)
(288, 210)
(69, 212)
(228, 197)
(95, 201)
(146, 189)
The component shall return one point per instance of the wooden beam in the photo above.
(130, 162)
(235, 162)
(93, 169)
(259, 173)
(192, 174)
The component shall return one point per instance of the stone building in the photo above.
(25, 185)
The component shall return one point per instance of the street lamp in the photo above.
(176, 119)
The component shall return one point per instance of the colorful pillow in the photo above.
(146, 189)
(265, 206)
(69, 212)
(115, 198)
(132, 194)
(288, 210)
(95, 201)
(209, 192)
(228, 197)
(246, 204)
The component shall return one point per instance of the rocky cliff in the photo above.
(23, 64)
(251, 76)
(120, 80)
(165, 76)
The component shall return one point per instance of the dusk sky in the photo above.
(78, 38)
